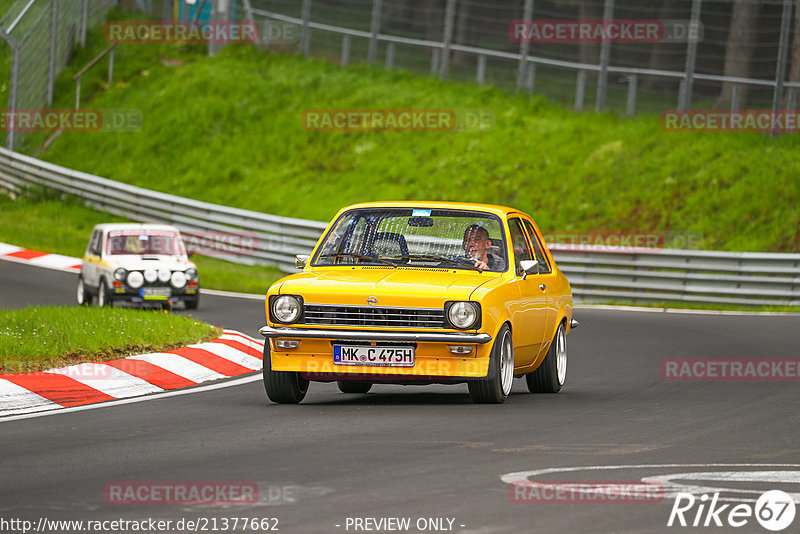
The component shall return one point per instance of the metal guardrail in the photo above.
(596, 273)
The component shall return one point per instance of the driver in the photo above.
(476, 243)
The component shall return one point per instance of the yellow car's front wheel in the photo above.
(495, 388)
(282, 387)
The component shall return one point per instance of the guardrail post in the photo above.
(344, 59)
(51, 64)
(374, 30)
(524, 47)
(685, 96)
(630, 107)
(389, 55)
(305, 31)
(449, 20)
(580, 90)
(605, 54)
(480, 75)
(783, 51)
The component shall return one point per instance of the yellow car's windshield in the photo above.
(421, 237)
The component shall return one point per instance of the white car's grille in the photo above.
(326, 314)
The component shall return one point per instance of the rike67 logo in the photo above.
(774, 510)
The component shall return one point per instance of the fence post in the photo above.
(580, 90)
(630, 107)
(783, 49)
(605, 54)
(449, 19)
(390, 55)
(13, 82)
(436, 53)
(51, 64)
(248, 11)
(305, 32)
(530, 79)
(111, 66)
(524, 47)
(736, 95)
(345, 57)
(685, 97)
(480, 76)
(84, 20)
(374, 29)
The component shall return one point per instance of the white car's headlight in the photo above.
(135, 279)
(191, 274)
(463, 315)
(178, 280)
(120, 274)
(164, 274)
(286, 309)
(150, 274)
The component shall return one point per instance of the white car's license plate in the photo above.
(155, 293)
(374, 356)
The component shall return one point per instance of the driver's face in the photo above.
(475, 244)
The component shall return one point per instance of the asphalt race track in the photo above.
(426, 452)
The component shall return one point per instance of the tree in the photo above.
(739, 49)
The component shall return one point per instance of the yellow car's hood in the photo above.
(403, 287)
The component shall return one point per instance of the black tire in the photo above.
(352, 386)
(84, 298)
(282, 387)
(545, 379)
(193, 303)
(490, 390)
(103, 298)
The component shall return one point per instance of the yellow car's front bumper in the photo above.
(433, 357)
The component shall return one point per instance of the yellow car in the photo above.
(421, 293)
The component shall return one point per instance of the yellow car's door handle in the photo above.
(542, 287)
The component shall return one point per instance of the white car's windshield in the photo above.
(410, 237)
(145, 243)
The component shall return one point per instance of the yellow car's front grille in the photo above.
(324, 314)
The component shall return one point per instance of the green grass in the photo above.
(50, 223)
(39, 338)
(227, 130)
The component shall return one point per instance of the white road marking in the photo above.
(188, 391)
(672, 489)
(18, 400)
(180, 366)
(55, 261)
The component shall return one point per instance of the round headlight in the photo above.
(285, 309)
(191, 274)
(135, 279)
(120, 274)
(462, 314)
(150, 274)
(164, 274)
(178, 280)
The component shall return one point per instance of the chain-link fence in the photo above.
(41, 35)
(705, 54)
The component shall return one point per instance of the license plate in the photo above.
(155, 293)
(373, 356)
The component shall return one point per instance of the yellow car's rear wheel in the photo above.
(353, 386)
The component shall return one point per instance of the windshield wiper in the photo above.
(358, 256)
(435, 257)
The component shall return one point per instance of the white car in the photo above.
(138, 263)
